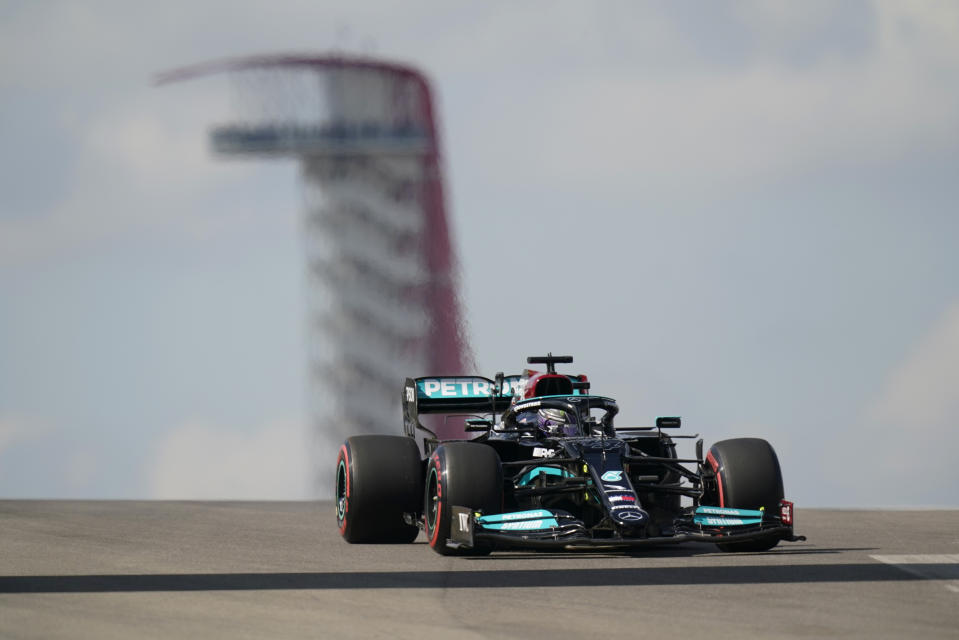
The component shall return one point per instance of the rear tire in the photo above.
(464, 474)
(378, 479)
(747, 477)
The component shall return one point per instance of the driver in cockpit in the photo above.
(550, 422)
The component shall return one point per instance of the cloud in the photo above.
(200, 461)
(16, 429)
(143, 166)
(921, 392)
(630, 100)
(624, 123)
(907, 440)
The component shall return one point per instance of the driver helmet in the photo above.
(556, 422)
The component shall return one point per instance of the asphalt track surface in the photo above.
(279, 569)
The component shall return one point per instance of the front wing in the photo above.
(556, 529)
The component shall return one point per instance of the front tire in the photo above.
(464, 474)
(378, 480)
(748, 476)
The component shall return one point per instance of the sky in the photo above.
(751, 204)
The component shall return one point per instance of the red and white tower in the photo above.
(382, 279)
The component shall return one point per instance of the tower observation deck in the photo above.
(382, 286)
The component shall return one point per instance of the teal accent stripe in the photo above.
(516, 515)
(528, 477)
(712, 521)
(523, 525)
(728, 511)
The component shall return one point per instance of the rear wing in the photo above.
(454, 394)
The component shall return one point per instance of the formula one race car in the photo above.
(550, 470)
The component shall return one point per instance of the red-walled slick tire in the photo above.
(747, 477)
(464, 474)
(378, 479)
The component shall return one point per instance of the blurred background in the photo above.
(738, 212)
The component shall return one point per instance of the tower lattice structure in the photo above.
(382, 284)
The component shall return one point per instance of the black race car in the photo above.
(550, 470)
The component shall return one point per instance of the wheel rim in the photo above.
(341, 491)
(432, 500)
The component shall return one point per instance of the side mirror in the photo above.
(668, 423)
(498, 387)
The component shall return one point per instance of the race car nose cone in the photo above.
(630, 516)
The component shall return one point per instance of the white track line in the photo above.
(929, 566)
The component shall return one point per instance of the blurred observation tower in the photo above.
(382, 282)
